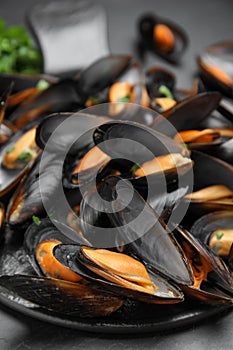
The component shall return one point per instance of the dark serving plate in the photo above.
(134, 317)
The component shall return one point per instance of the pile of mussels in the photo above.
(82, 258)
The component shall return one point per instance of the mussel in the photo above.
(66, 298)
(213, 282)
(118, 273)
(216, 230)
(215, 66)
(163, 37)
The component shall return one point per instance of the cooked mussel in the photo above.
(215, 66)
(39, 240)
(187, 114)
(160, 84)
(17, 156)
(163, 37)
(113, 139)
(71, 132)
(213, 191)
(213, 282)
(118, 273)
(101, 74)
(216, 230)
(23, 151)
(35, 189)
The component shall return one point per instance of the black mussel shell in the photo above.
(10, 177)
(47, 230)
(216, 172)
(216, 285)
(146, 142)
(223, 151)
(176, 48)
(72, 132)
(226, 108)
(157, 77)
(23, 81)
(145, 237)
(215, 120)
(216, 65)
(207, 224)
(59, 297)
(71, 257)
(101, 74)
(37, 187)
(61, 96)
(187, 114)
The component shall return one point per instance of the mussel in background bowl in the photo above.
(163, 37)
(216, 67)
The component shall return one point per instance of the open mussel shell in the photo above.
(143, 235)
(58, 97)
(72, 257)
(159, 83)
(127, 88)
(213, 282)
(222, 151)
(70, 132)
(48, 230)
(35, 189)
(163, 37)
(215, 65)
(11, 176)
(23, 81)
(216, 230)
(187, 114)
(101, 74)
(114, 138)
(59, 297)
(216, 172)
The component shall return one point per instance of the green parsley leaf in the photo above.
(17, 52)
(10, 150)
(42, 85)
(94, 98)
(124, 99)
(219, 234)
(135, 167)
(24, 156)
(36, 220)
(163, 89)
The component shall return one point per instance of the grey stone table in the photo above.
(206, 22)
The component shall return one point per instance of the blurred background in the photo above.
(205, 22)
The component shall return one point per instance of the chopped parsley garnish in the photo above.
(219, 234)
(124, 99)
(17, 51)
(25, 156)
(163, 90)
(42, 85)
(135, 167)
(94, 98)
(10, 150)
(36, 220)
